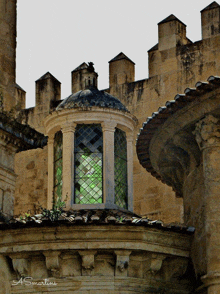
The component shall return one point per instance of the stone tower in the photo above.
(210, 16)
(7, 52)
(121, 70)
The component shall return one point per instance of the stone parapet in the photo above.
(111, 259)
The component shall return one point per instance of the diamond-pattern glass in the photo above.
(120, 145)
(58, 146)
(88, 164)
(58, 166)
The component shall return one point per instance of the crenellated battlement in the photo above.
(175, 63)
(174, 58)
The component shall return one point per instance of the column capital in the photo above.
(211, 279)
(130, 136)
(109, 126)
(69, 127)
(50, 138)
(207, 132)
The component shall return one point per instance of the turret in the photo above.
(210, 17)
(171, 32)
(83, 77)
(90, 152)
(47, 91)
(20, 96)
(121, 70)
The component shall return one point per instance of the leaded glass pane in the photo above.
(58, 192)
(88, 164)
(58, 166)
(58, 171)
(120, 145)
(58, 146)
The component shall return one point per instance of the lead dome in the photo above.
(91, 97)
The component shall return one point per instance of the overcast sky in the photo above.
(58, 35)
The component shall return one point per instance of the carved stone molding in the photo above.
(69, 127)
(211, 279)
(207, 132)
(21, 267)
(122, 262)
(174, 268)
(88, 261)
(52, 262)
(109, 126)
(156, 262)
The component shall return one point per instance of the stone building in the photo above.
(83, 215)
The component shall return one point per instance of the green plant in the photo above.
(54, 213)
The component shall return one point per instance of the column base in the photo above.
(211, 281)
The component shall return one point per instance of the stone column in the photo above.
(129, 137)
(108, 129)
(50, 145)
(68, 163)
(208, 137)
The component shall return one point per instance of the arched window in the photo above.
(88, 164)
(58, 166)
(121, 185)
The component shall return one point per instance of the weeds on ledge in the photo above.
(51, 214)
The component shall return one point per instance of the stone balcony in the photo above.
(115, 254)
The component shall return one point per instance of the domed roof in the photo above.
(91, 97)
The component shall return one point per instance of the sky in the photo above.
(59, 35)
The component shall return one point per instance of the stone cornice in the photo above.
(80, 258)
(97, 115)
(23, 137)
(101, 238)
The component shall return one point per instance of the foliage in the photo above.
(51, 214)
(54, 213)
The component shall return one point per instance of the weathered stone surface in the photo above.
(194, 173)
(109, 259)
(31, 185)
(113, 259)
(7, 52)
(171, 70)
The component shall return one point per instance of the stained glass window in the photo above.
(58, 166)
(120, 145)
(88, 164)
